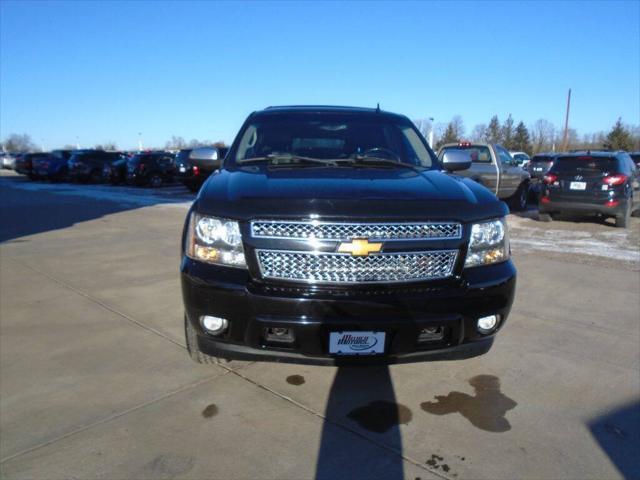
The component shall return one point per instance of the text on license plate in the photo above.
(356, 343)
(578, 185)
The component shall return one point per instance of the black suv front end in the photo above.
(343, 261)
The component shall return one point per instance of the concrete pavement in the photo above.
(95, 381)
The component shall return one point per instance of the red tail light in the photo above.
(612, 203)
(196, 170)
(545, 199)
(617, 179)
(550, 178)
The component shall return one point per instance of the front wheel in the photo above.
(155, 181)
(192, 345)
(518, 201)
(95, 176)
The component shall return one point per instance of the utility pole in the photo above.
(431, 133)
(565, 137)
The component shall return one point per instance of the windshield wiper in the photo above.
(285, 159)
(370, 160)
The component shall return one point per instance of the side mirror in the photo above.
(204, 153)
(454, 160)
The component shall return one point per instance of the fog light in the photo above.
(487, 324)
(214, 325)
(430, 334)
(277, 334)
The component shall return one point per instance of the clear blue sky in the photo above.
(106, 71)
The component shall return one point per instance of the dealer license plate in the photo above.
(578, 185)
(356, 343)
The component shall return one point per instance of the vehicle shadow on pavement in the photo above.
(363, 399)
(33, 209)
(618, 434)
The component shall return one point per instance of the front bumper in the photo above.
(136, 179)
(400, 311)
(79, 174)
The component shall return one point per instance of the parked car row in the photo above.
(151, 168)
(602, 183)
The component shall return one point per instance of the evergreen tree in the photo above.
(521, 141)
(508, 133)
(450, 135)
(453, 133)
(494, 133)
(618, 138)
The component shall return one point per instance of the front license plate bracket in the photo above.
(354, 343)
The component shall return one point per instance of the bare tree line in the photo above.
(540, 136)
(24, 143)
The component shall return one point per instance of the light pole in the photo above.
(140, 141)
(431, 133)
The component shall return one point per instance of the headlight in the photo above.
(489, 243)
(215, 240)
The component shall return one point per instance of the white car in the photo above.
(8, 160)
(521, 157)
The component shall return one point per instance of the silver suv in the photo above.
(494, 167)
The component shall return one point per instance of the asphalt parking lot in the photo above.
(95, 381)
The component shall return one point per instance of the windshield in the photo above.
(331, 137)
(183, 156)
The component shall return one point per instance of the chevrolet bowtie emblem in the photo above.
(360, 247)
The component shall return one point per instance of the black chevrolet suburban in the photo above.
(335, 235)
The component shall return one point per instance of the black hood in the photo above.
(345, 192)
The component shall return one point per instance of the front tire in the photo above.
(518, 201)
(192, 345)
(95, 176)
(155, 181)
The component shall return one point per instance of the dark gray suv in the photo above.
(602, 183)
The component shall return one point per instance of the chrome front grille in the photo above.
(336, 268)
(347, 231)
